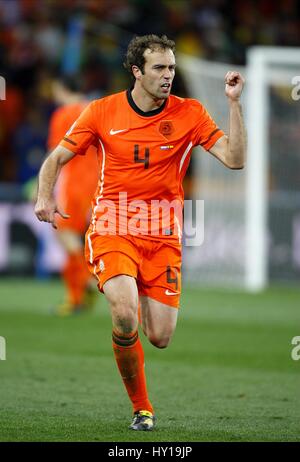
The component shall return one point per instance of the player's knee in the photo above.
(124, 316)
(159, 341)
(123, 304)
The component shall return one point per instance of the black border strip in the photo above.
(139, 111)
(70, 141)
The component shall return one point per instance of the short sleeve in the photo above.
(82, 133)
(206, 130)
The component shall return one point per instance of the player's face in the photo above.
(159, 72)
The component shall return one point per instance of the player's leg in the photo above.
(158, 321)
(122, 295)
(114, 261)
(75, 273)
(159, 288)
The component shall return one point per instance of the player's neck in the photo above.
(144, 101)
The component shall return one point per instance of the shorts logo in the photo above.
(101, 266)
(167, 292)
(166, 127)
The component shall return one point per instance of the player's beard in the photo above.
(157, 93)
(161, 94)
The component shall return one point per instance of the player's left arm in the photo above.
(231, 149)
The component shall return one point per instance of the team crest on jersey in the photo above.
(166, 127)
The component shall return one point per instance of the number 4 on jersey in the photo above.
(141, 160)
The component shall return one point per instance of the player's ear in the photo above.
(136, 72)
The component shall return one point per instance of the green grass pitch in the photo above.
(228, 374)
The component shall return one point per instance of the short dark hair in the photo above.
(138, 45)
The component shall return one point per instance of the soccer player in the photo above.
(75, 201)
(145, 136)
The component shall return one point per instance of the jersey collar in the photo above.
(139, 111)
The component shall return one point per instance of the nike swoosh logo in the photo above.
(167, 292)
(114, 132)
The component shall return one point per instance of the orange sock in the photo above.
(129, 355)
(76, 276)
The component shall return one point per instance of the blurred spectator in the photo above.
(29, 144)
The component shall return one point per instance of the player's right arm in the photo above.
(76, 141)
(46, 205)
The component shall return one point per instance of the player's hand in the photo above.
(234, 83)
(45, 210)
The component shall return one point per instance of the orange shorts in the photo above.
(155, 265)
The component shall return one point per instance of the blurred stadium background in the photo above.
(40, 39)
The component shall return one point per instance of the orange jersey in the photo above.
(143, 159)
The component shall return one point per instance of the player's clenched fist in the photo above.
(234, 83)
(45, 210)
